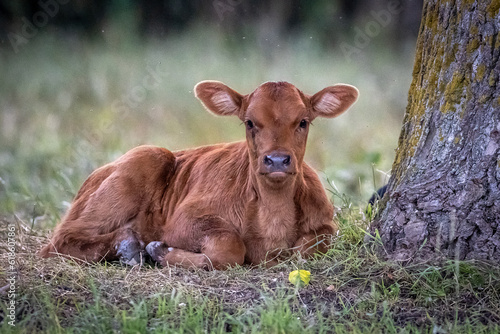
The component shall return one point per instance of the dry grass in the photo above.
(352, 289)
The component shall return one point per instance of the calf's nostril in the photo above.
(286, 161)
(268, 160)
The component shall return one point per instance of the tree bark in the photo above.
(443, 196)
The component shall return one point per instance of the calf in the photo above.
(212, 206)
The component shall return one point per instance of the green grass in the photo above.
(64, 111)
(59, 123)
(352, 289)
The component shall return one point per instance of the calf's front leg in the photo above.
(212, 244)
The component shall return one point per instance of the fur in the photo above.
(211, 205)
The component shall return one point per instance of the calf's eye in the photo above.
(303, 124)
(249, 124)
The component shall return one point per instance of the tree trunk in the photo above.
(443, 196)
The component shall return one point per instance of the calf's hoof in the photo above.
(157, 250)
(130, 251)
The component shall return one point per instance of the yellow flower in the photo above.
(299, 278)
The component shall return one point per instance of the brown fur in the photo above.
(217, 205)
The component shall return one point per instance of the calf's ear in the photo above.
(334, 100)
(218, 98)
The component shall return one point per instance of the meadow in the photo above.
(68, 106)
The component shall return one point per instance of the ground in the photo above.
(352, 289)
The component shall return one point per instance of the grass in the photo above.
(63, 114)
(352, 289)
(69, 105)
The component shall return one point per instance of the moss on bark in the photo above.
(444, 193)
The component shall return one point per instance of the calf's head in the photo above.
(277, 117)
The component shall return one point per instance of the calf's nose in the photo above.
(277, 162)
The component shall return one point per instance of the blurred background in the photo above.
(82, 82)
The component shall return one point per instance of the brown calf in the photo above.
(213, 206)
